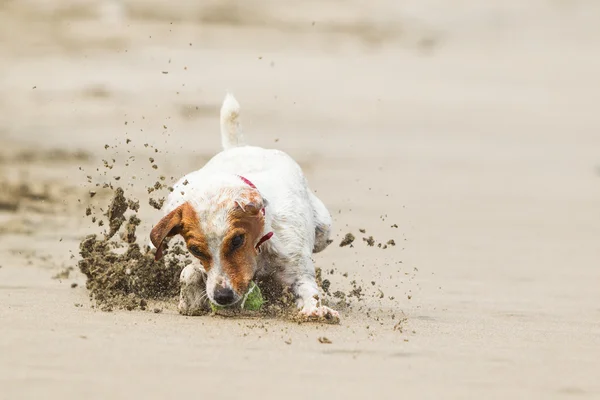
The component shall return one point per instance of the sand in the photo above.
(466, 132)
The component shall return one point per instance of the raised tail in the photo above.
(231, 130)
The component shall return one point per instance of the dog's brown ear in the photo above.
(251, 202)
(251, 208)
(169, 225)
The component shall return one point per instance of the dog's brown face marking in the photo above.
(238, 254)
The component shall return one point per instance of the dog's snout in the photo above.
(223, 296)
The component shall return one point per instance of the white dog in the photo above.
(247, 213)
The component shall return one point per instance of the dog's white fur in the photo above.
(300, 223)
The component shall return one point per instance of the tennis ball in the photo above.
(252, 300)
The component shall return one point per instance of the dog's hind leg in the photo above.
(323, 223)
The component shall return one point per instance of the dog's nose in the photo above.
(223, 296)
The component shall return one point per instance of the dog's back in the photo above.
(252, 162)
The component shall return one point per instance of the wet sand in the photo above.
(472, 128)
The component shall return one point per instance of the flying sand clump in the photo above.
(122, 275)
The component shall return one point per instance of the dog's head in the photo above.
(221, 230)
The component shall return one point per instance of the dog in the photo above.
(248, 213)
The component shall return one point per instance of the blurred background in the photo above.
(74, 70)
(472, 125)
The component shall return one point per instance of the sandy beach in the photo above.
(467, 132)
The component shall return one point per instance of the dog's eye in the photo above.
(197, 252)
(237, 242)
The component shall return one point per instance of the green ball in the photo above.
(252, 300)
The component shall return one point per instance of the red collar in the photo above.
(247, 182)
(268, 235)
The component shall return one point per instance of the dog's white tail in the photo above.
(231, 130)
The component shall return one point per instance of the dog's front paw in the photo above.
(314, 311)
(320, 312)
(192, 297)
(192, 304)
